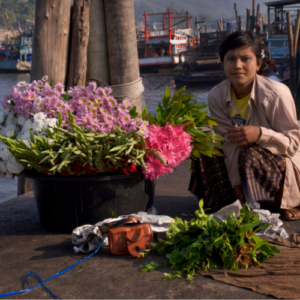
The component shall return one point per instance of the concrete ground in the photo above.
(25, 246)
(8, 188)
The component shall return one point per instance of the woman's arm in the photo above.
(231, 152)
(284, 137)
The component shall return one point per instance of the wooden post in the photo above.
(219, 25)
(253, 7)
(248, 19)
(297, 31)
(292, 52)
(79, 43)
(50, 41)
(97, 53)
(236, 16)
(122, 45)
(258, 12)
(240, 23)
(258, 16)
(269, 22)
(49, 51)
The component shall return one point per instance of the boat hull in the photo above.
(155, 64)
(199, 79)
(13, 66)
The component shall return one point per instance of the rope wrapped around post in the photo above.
(130, 90)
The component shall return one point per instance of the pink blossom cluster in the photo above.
(93, 108)
(172, 143)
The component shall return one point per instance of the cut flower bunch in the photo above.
(84, 131)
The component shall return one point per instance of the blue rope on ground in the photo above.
(54, 276)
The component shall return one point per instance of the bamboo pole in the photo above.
(297, 31)
(97, 53)
(79, 43)
(258, 12)
(292, 53)
(236, 16)
(248, 19)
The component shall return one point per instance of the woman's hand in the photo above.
(244, 135)
(239, 193)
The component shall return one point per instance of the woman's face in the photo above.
(241, 65)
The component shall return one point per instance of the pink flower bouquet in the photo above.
(84, 131)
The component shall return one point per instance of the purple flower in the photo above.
(108, 90)
(126, 102)
(122, 108)
(59, 88)
(22, 84)
(92, 86)
(100, 92)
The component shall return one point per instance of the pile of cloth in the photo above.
(87, 238)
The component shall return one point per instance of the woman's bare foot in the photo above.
(291, 214)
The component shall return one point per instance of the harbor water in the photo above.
(155, 85)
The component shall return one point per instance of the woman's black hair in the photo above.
(248, 38)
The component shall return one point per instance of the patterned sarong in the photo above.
(261, 172)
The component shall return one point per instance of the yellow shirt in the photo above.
(239, 110)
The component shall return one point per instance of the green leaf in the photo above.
(265, 226)
(133, 113)
(249, 227)
(114, 215)
(166, 97)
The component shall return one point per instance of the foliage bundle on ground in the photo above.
(203, 244)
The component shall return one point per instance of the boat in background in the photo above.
(16, 55)
(164, 48)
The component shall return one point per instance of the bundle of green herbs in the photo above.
(203, 244)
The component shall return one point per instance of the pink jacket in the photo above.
(272, 108)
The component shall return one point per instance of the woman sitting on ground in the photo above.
(257, 118)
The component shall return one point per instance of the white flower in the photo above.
(10, 119)
(25, 136)
(3, 168)
(21, 120)
(5, 154)
(2, 117)
(38, 125)
(15, 168)
(26, 142)
(50, 141)
(40, 116)
(51, 122)
(6, 111)
(27, 126)
(10, 130)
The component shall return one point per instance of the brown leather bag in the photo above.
(132, 238)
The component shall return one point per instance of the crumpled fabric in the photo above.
(87, 238)
(274, 231)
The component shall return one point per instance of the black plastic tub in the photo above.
(65, 203)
